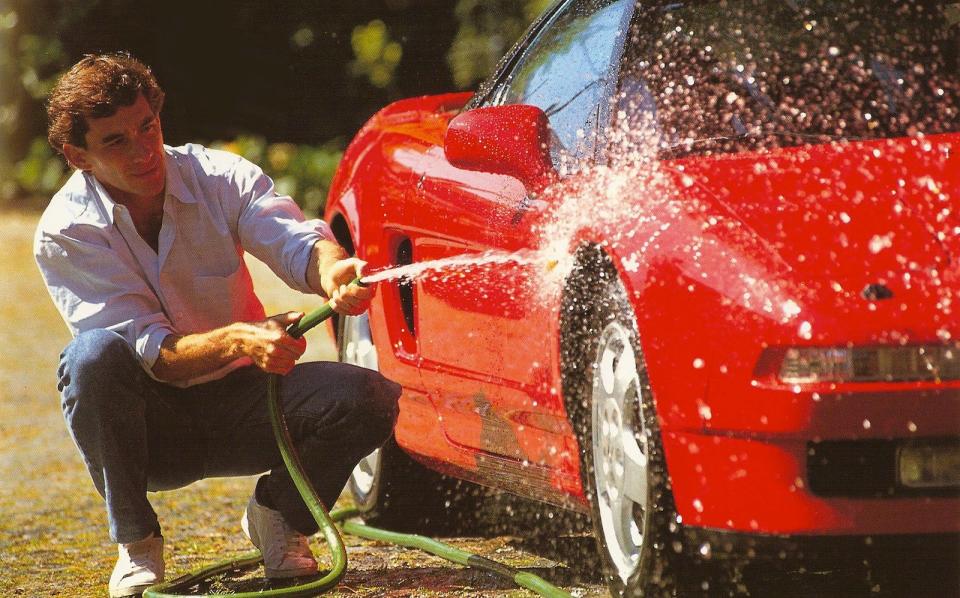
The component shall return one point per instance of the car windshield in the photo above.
(737, 75)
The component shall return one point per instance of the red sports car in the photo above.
(692, 268)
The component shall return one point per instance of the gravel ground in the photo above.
(53, 538)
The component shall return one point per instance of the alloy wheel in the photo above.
(620, 449)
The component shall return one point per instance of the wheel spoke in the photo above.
(606, 372)
(635, 469)
(626, 372)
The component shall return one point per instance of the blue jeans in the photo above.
(136, 434)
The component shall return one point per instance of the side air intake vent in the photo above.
(404, 257)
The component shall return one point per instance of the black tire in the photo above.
(637, 536)
(392, 490)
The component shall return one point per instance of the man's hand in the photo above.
(331, 272)
(268, 344)
(265, 342)
(345, 298)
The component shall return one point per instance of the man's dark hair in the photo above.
(96, 87)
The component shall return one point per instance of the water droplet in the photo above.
(912, 426)
(866, 424)
(705, 550)
(698, 363)
(705, 412)
(697, 505)
(880, 242)
(790, 308)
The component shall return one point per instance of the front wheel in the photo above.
(622, 465)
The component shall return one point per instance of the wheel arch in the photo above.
(593, 271)
(591, 278)
(342, 233)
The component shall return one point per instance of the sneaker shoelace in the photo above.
(293, 541)
(144, 557)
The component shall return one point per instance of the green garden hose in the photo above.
(326, 521)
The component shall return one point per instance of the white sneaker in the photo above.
(286, 552)
(140, 566)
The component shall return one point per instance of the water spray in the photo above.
(327, 520)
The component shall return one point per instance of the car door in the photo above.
(486, 334)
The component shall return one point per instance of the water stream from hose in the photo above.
(458, 263)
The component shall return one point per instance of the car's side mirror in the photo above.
(513, 140)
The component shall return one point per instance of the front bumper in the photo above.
(762, 486)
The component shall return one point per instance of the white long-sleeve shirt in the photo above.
(102, 274)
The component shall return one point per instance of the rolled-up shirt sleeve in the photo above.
(273, 228)
(94, 288)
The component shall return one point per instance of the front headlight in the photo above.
(911, 363)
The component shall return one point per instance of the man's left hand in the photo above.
(345, 298)
(331, 272)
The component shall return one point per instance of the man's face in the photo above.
(125, 153)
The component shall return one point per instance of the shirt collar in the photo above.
(102, 197)
(175, 185)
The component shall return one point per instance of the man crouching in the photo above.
(165, 380)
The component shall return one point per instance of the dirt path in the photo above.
(53, 538)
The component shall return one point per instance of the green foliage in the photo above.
(303, 172)
(376, 54)
(39, 58)
(34, 178)
(31, 58)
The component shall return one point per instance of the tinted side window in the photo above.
(569, 71)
